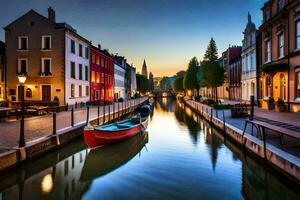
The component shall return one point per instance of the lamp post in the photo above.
(22, 79)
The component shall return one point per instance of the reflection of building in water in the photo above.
(166, 104)
(60, 181)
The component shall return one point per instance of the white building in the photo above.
(133, 81)
(249, 62)
(77, 69)
(119, 77)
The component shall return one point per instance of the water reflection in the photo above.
(103, 160)
(185, 158)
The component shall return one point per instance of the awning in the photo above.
(275, 67)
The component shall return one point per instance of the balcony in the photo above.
(46, 74)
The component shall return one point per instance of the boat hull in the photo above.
(95, 138)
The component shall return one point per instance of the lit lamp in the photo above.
(22, 79)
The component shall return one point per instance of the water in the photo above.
(180, 157)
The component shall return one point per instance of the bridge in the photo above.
(163, 93)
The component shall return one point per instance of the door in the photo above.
(46, 92)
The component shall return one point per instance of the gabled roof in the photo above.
(29, 12)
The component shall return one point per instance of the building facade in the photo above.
(235, 74)
(133, 85)
(120, 77)
(280, 38)
(102, 75)
(2, 72)
(52, 55)
(249, 62)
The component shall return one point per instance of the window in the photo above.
(93, 76)
(298, 34)
(86, 73)
(2, 76)
(297, 76)
(268, 86)
(93, 59)
(80, 71)
(46, 42)
(102, 62)
(267, 15)
(86, 52)
(102, 93)
(72, 69)
(98, 77)
(105, 81)
(72, 90)
(72, 46)
(22, 66)
(46, 67)
(87, 91)
(80, 50)
(23, 43)
(280, 5)
(80, 90)
(267, 51)
(280, 45)
(97, 60)
(102, 77)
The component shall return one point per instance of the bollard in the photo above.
(104, 113)
(109, 113)
(72, 117)
(87, 114)
(54, 123)
(211, 115)
(252, 108)
(98, 118)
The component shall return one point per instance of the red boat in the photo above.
(116, 132)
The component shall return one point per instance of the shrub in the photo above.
(198, 98)
(208, 102)
(270, 100)
(280, 102)
(221, 106)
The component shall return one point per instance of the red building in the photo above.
(102, 75)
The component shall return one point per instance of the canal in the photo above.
(179, 157)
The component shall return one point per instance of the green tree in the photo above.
(178, 84)
(190, 81)
(142, 83)
(211, 53)
(214, 75)
(164, 83)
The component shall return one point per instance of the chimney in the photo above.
(51, 14)
(99, 46)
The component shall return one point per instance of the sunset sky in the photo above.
(167, 33)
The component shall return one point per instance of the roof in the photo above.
(61, 25)
(103, 52)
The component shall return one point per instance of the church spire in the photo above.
(144, 69)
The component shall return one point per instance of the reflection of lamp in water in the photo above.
(47, 184)
(165, 101)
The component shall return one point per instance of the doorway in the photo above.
(46, 93)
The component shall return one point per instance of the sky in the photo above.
(166, 33)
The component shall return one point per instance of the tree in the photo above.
(178, 84)
(190, 81)
(180, 74)
(214, 75)
(142, 83)
(211, 53)
(165, 84)
(151, 82)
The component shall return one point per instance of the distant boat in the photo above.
(115, 132)
(101, 161)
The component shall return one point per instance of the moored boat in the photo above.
(115, 132)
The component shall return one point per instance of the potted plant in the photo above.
(280, 105)
(271, 103)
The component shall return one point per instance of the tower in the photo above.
(144, 69)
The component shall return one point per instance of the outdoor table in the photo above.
(40, 110)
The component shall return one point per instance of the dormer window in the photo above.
(23, 43)
(46, 42)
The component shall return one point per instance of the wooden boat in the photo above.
(115, 132)
(101, 161)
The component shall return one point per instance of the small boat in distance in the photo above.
(115, 132)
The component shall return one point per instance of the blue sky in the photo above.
(167, 33)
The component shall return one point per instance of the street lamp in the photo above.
(22, 79)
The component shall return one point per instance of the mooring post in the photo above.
(211, 115)
(98, 118)
(103, 113)
(252, 107)
(54, 123)
(109, 112)
(72, 117)
(87, 114)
